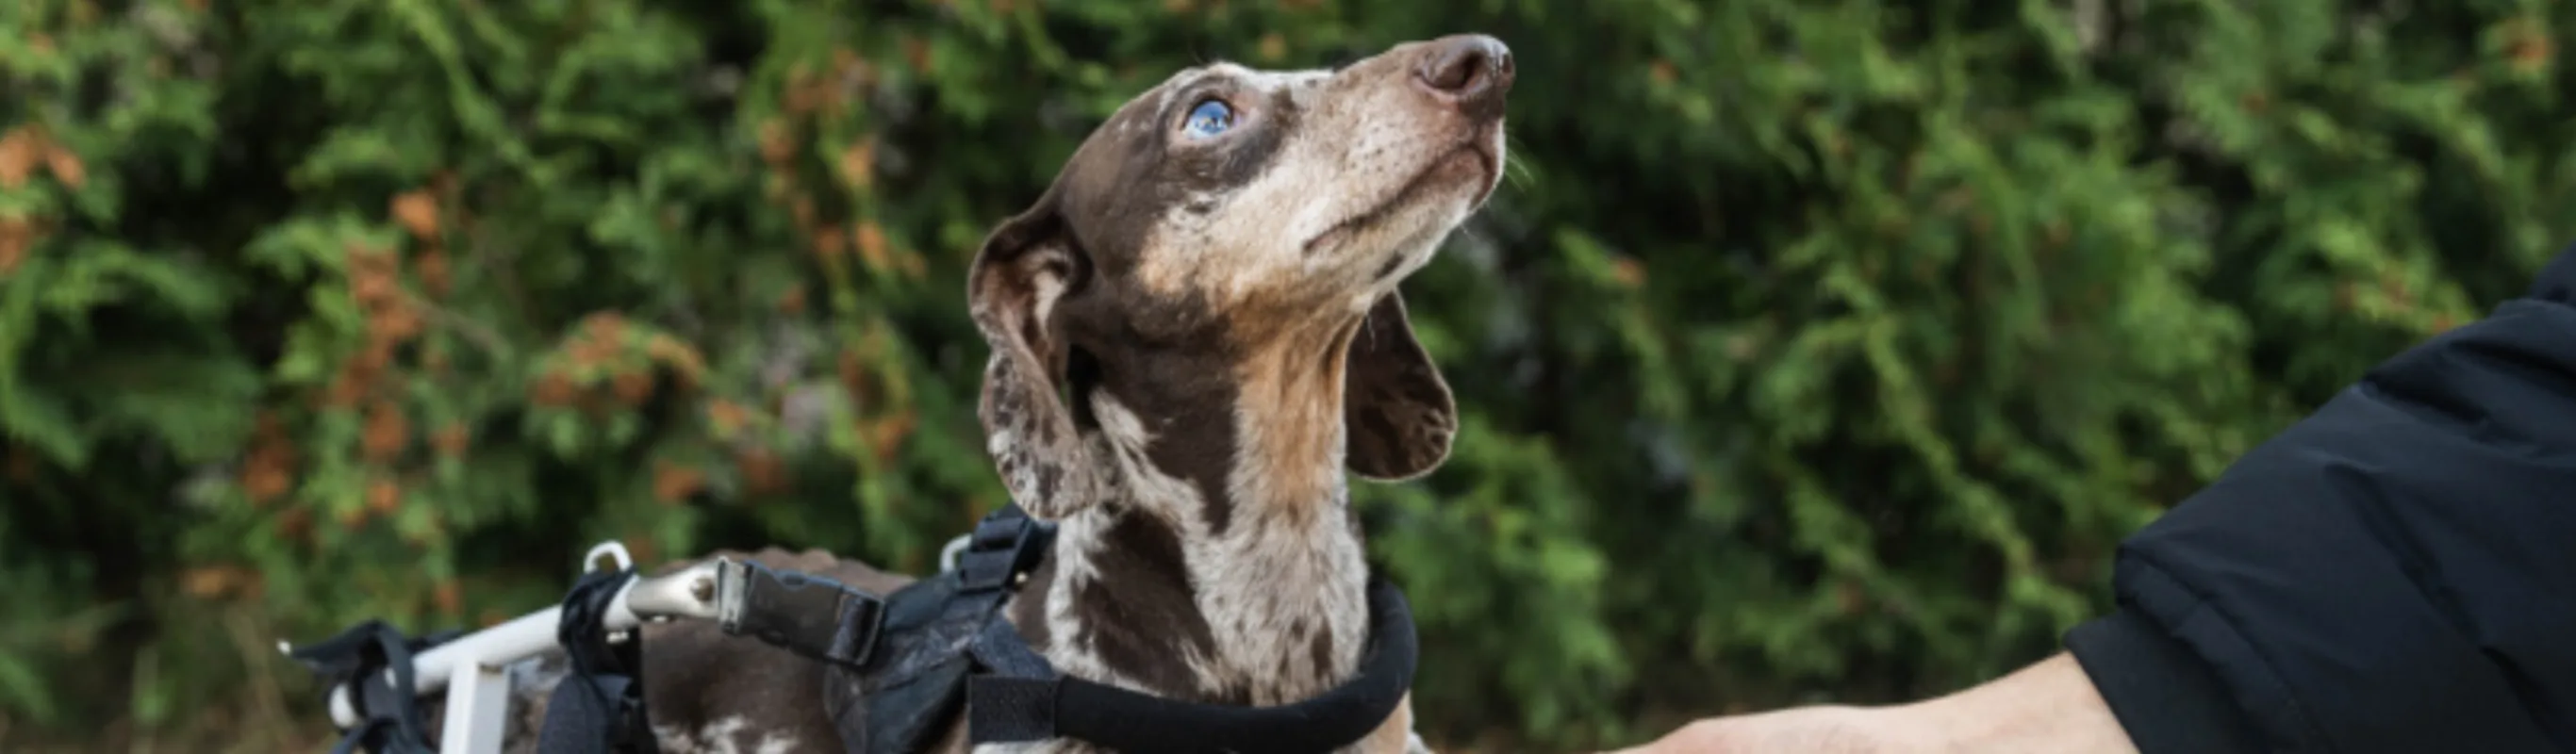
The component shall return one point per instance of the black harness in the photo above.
(901, 667)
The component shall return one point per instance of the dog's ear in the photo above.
(1396, 410)
(1023, 270)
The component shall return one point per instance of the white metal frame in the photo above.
(474, 669)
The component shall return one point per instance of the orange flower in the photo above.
(66, 167)
(370, 289)
(554, 389)
(20, 150)
(777, 146)
(355, 379)
(451, 600)
(264, 482)
(858, 164)
(872, 246)
(383, 497)
(828, 242)
(854, 378)
(799, 96)
(17, 236)
(604, 327)
(396, 322)
(762, 473)
(386, 432)
(727, 417)
(218, 581)
(417, 211)
(632, 387)
(268, 470)
(886, 436)
(431, 268)
(674, 484)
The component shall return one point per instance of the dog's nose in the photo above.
(1472, 70)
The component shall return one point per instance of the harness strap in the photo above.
(599, 708)
(935, 633)
(374, 661)
(1020, 706)
(1005, 545)
(808, 615)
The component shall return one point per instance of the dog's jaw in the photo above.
(1473, 164)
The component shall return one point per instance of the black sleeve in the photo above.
(2395, 573)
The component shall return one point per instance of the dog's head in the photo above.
(1230, 213)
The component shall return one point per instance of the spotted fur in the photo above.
(1194, 341)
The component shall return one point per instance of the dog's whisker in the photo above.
(1517, 172)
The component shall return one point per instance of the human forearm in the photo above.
(2047, 707)
(2050, 706)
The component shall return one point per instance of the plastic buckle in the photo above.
(802, 613)
(1005, 545)
(1000, 530)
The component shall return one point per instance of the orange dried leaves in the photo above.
(762, 472)
(383, 497)
(268, 470)
(727, 419)
(20, 151)
(606, 350)
(25, 148)
(858, 165)
(673, 483)
(223, 581)
(417, 212)
(17, 237)
(391, 320)
(386, 432)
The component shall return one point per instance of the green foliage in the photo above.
(1815, 350)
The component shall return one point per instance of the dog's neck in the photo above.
(1222, 562)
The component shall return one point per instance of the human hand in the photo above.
(2048, 707)
(1815, 730)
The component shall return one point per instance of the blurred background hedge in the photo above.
(1817, 350)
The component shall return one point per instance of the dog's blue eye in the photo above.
(1209, 119)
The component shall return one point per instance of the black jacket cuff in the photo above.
(2164, 695)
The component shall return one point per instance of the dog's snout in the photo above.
(1472, 70)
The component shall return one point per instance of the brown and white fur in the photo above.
(1194, 337)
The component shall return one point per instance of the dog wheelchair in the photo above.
(922, 658)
